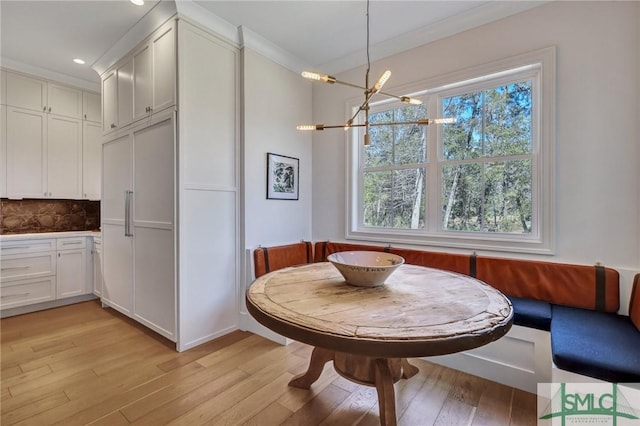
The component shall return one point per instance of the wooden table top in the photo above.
(417, 312)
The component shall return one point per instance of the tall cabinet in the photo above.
(170, 195)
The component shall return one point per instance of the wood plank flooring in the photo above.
(82, 364)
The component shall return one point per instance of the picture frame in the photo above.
(283, 177)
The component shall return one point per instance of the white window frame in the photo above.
(538, 66)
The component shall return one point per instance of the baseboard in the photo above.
(6, 313)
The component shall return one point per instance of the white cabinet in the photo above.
(42, 139)
(26, 92)
(174, 258)
(138, 224)
(91, 107)
(64, 157)
(3, 151)
(117, 96)
(39, 95)
(27, 272)
(117, 242)
(97, 265)
(35, 270)
(109, 101)
(64, 101)
(26, 159)
(71, 267)
(91, 160)
(142, 83)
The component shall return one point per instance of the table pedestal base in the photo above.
(379, 372)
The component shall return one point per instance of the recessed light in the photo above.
(137, 2)
(78, 61)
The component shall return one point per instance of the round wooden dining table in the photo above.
(369, 332)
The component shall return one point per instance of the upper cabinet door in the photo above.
(26, 92)
(125, 93)
(91, 107)
(142, 82)
(109, 101)
(64, 101)
(164, 68)
(26, 153)
(64, 154)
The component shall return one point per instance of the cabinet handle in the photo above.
(85, 116)
(66, 243)
(45, 194)
(59, 255)
(14, 268)
(113, 125)
(127, 213)
(16, 248)
(49, 109)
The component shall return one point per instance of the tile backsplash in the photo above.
(25, 216)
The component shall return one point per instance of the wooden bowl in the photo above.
(365, 268)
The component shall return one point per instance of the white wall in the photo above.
(275, 101)
(597, 144)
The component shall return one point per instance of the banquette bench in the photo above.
(573, 305)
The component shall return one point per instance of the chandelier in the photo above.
(369, 92)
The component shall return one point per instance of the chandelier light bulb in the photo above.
(310, 127)
(412, 101)
(381, 81)
(449, 120)
(318, 77)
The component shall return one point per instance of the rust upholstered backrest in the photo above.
(634, 304)
(579, 286)
(267, 259)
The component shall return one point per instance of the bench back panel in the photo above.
(579, 286)
(267, 259)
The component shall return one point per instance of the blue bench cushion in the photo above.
(596, 344)
(531, 313)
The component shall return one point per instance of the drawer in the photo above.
(27, 292)
(31, 265)
(71, 243)
(26, 246)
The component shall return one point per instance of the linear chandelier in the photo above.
(369, 92)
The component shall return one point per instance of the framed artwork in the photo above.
(282, 177)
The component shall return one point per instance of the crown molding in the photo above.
(483, 14)
(158, 15)
(206, 19)
(47, 74)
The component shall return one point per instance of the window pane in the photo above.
(507, 204)
(411, 144)
(494, 197)
(494, 122)
(395, 199)
(507, 120)
(380, 152)
(462, 200)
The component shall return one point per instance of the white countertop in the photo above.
(44, 235)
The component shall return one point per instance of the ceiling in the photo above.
(328, 35)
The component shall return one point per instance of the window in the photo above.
(481, 182)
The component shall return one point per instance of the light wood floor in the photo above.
(82, 364)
